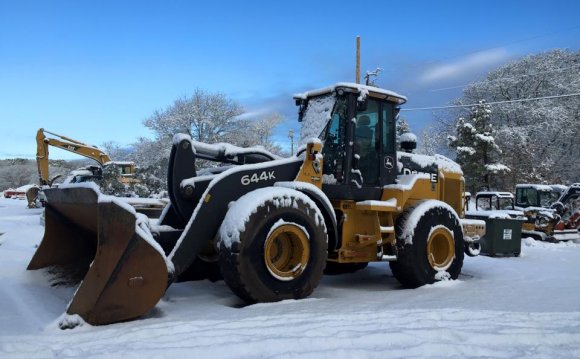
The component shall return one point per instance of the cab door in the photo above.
(359, 150)
(374, 144)
(388, 161)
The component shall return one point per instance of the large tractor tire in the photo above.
(273, 246)
(430, 245)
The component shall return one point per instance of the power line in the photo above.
(503, 79)
(491, 103)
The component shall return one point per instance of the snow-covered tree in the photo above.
(17, 172)
(402, 126)
(477, 152)
(206, 117)
(148, 183)
(539, 137)
(259, 132)
(152, 156)
(116, 152)
(429, 142)
(110, 183)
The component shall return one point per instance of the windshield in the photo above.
(547, 198)
(506, 203)
(316, 116)
(334, 142)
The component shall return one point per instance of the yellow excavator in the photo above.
(126, 170)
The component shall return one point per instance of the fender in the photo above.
(211, 206)
(323, 204)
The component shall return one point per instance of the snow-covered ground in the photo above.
(499, 308)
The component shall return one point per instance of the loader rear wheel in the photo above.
(279, 254)
(429, 245)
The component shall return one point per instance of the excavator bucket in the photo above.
(97, 240)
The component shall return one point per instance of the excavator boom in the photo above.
(65, 143)
(126, 169)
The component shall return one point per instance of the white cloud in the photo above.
(465, 65)
(255, 114)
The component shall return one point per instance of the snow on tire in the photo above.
(272, 245)
(429, 244)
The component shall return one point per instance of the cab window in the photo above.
(388, 128)
(367, 143)
(334, 150)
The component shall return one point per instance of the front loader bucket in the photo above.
(93, 238)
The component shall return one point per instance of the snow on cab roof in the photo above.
(495, 193)
(391, 95)
(539, 187)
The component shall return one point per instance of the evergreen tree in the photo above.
(477, 152)
(110, 183)
(539, 138)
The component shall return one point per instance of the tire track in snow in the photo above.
(406, 333)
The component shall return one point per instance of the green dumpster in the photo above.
(503, 236)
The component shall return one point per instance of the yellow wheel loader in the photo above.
(269, 227)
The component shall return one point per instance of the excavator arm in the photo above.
(65, 143)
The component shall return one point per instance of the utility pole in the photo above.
(291, 135)
(358, 59)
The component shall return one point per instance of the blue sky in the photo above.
(94, 70)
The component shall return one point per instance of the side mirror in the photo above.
(408, 142)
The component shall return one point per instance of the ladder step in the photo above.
(379, 206)
(389, 229)
(388, 258)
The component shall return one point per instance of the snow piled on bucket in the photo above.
(142, 225)
(241, 210)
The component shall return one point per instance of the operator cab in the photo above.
(534, 195)
(356, 125)
(494, 201)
